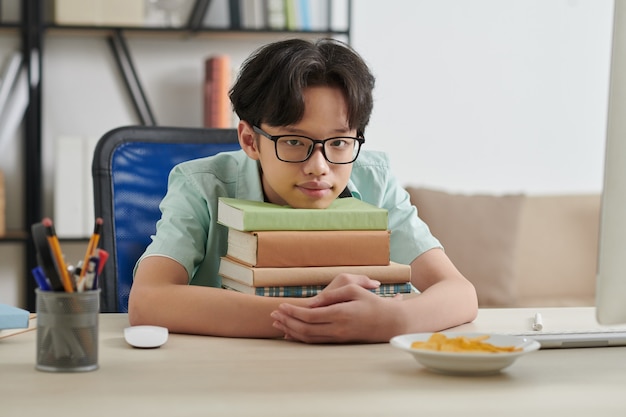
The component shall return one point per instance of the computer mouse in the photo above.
(146, 336)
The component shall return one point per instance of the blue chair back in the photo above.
(130, 171)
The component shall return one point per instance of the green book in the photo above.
(343, 214)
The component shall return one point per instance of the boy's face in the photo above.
(314, 183)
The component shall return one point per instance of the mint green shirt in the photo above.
(188, 231)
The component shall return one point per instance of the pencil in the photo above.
(91, 247)
(53, 241)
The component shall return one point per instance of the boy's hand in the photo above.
(346, 311)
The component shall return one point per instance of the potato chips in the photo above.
(442, 343)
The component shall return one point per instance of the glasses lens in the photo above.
(341, 150)
(293, 148)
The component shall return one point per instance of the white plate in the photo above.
(466, 363)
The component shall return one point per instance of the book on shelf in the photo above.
(73, 189)
(197, 14)
(391, 273)
(384, 290)
(8, 78)
(343, 214)
(14, 97)
(217, 110)
(235, 14)
(275, 14)
(252, 14)
(69, 185)
(289, 248)
(3, 223)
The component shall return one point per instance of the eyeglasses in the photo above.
(294, 148)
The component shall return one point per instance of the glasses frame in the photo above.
(275, 138)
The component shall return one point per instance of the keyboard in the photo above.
(592, 337)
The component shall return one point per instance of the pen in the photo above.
(40, 278)
(53, 240)
(90, 276)
(91, 248)
(103, 256)
(537, 322)
(44, 257)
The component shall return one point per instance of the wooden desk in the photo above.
(201, 376)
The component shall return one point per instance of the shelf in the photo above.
(55, 26)
(13, 236)
(32, 28)
(182, 31)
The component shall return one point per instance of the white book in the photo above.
(218, 15)
(8, 77)
(339, 16)
(69, 177)
(16, 104)
(275, 14)
(89, 217)
(252, 14)
(319, 15)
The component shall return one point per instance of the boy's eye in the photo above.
(294, 141)
(338, 143)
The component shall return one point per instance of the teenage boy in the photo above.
(303, 108)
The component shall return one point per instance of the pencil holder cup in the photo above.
(67, 331)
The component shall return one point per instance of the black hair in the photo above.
(270, 83)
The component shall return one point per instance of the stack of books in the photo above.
(279, 251)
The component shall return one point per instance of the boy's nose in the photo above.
(317, 163)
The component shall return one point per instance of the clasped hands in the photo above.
(345, 311)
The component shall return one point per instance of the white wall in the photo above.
(480, 95)
(489, 95)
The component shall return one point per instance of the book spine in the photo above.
(314, 248)
(275, 14)
(323, 275)
(301, 221)
(8, 78)
(344, 214)
(217, 82)
(385, 290)
(69, 187)
(197, 14)
(235, 14)
(3, 229)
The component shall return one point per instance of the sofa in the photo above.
(518, 250)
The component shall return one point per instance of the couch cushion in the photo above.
(479, 235)
(558, 246)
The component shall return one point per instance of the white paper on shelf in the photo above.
(69, 187)
(16, 104)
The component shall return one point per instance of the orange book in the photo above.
(392, 273)
(289, 248)
(217, 109)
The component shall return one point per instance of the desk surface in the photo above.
(197, 375)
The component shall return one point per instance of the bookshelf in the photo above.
(33, 27)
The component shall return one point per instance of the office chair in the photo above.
(130, 169)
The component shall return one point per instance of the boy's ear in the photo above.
(247, 139)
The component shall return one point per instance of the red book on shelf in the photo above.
(217, 111)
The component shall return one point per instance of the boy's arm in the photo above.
(447, 298)
(161, 296)
(348, 313)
